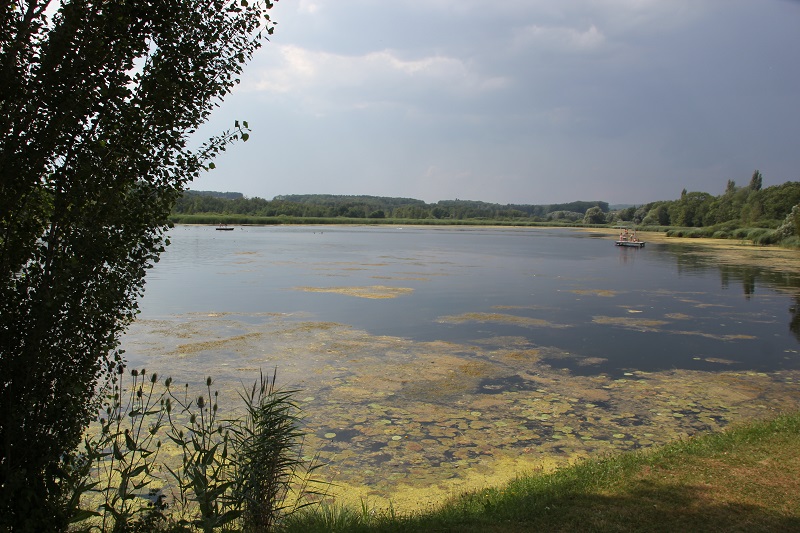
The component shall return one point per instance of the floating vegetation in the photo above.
(412, 422)
(678, 316)
(641, 324)
(653, 325)
(717, 337)
(596, 292)
(371, 292)
(719, 360)
(216, 345)
(501, 318)
(402, 278)
(510, 307)
(590, 361)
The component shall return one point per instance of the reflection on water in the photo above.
(434, 359)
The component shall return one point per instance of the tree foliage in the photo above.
(749, 206)
(98, 101)
(594, 215)
(331, 206)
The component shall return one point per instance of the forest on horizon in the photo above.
(750, 205)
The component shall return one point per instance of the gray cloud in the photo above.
(517, 101)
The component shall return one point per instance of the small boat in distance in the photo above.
(224, 227)
(629, 239)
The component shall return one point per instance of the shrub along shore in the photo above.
(746, 478)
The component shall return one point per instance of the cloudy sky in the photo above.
(517, 101)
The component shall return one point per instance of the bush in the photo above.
(231, 473)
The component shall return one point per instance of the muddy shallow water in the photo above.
(434, 360)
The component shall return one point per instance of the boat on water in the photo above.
(629, 239)
(223, 227)
(633, 244)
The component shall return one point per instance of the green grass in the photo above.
(744, 479)
(759, 236)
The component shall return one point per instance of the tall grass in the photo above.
(268, 458)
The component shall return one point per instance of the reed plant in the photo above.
(267, 460)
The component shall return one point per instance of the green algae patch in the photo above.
(642, 324)
(501, 318)
(595, 292)
(374, 292)
(408, 422)
(217, 344)
(654, 325)
(402, 278)
(678, 316)
(732, 337)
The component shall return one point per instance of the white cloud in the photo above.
(308, 7)
(381, 76)
(561, 38)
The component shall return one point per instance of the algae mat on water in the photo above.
(412, 422)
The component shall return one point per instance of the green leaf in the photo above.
(117, 454)
(138, 470)
(245, 136)
(81, 515)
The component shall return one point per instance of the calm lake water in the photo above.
(608, 296)
(435, 360)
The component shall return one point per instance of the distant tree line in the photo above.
(776, 208)
(372, 207)
(217, 194)
(747, 206)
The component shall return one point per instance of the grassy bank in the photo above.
(760, 236)
(744, 479)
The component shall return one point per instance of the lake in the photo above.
(433, 359)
